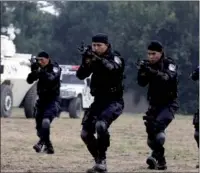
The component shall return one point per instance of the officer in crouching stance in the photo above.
(107, 69)
(160, 74)
(195, 77)
(48, 106)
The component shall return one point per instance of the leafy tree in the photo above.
(130, 26)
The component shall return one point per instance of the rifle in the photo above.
(34, 63)
(86, 51)
(142, 63)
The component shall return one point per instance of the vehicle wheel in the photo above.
(29, 102)
(6, 101)
(75, 108)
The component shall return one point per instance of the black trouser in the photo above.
(98, 118)
(45, 112)
(157, 120)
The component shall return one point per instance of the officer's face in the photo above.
(43, 61)
(154, 56)
(99, 48)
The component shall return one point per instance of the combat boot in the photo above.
(49, 148)
(162, 165)
(101, 166)
(93, 169)
(38, 147)
(152, 161)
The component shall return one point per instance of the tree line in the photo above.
(129, 25)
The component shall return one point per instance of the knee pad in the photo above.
(101, 127)
(160, 138)
(84, 135)
(87, 137)
(46, 123)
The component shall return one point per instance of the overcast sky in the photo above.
(49, 9)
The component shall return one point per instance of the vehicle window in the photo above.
(71, 79)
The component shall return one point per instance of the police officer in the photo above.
(107, 89)
(195, 77)
(48, 106)
(160, 74)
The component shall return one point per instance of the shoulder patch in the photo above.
(117, 60)
(172, 67)
(55, 69)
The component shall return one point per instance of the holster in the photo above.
(149, 118)
(151, 114)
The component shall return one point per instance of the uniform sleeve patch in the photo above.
(117, 60)
(55, 69)
(172, 67)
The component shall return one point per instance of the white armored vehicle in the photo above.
(74, 93)
(15, 91)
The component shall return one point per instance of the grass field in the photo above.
(127, 153)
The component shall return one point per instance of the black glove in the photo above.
(34, 67)
(42, 73)
(143, 65)
(88, 59)
(86, 56)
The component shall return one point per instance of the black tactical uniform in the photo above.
(161, 79)
(48, 104)
(107, 89)
(195, 77)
